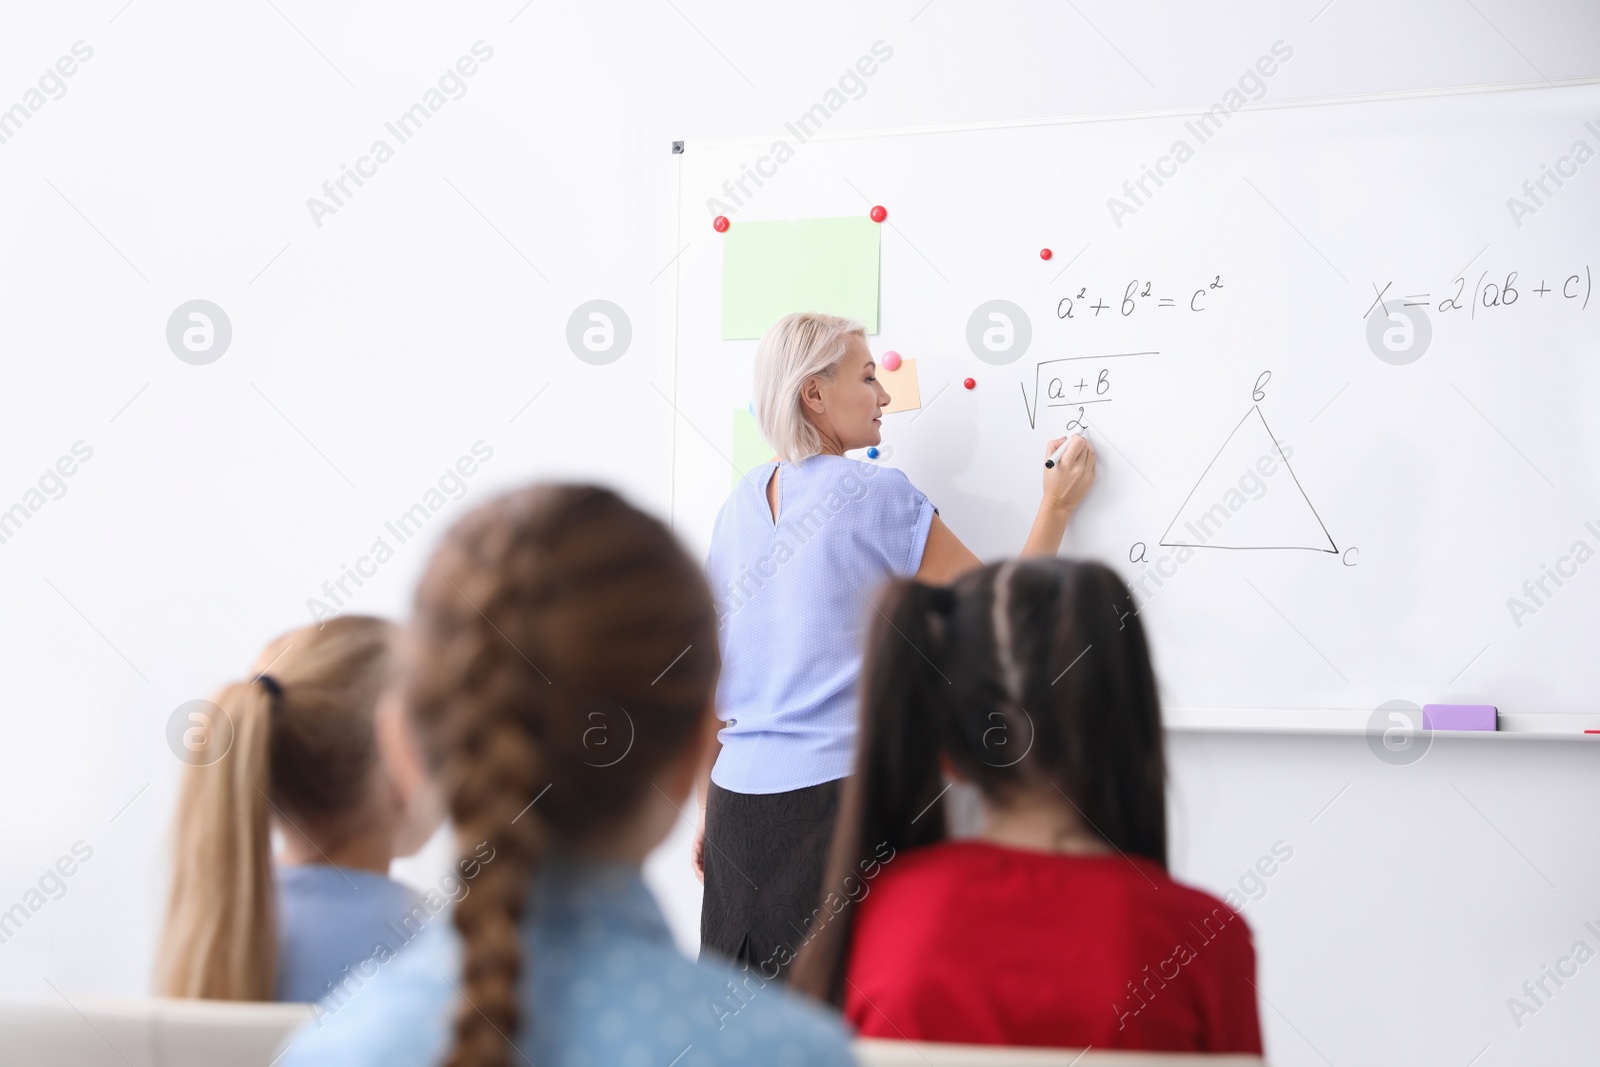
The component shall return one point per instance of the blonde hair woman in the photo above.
(299, 756)
(796, 554)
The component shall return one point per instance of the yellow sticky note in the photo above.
(750, 449)
(901, 385)
(772, 269)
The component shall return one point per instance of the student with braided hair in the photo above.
(561, 669)
(1058, 925)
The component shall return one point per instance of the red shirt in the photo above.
(977, 943)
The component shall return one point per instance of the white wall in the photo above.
(370, 352)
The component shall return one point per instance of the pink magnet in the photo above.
(891, 360)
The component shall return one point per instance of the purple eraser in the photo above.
(1458, 717)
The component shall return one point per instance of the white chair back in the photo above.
(210, 1033)
(875, 1053)
(146, 1033)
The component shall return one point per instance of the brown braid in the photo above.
(546, 614)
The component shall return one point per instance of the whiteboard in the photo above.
(1322, 285)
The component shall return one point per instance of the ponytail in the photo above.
(220, 941)
(297, 744)
(895, 798)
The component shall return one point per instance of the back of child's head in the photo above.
(1030, 677)
(295, 740)
(562, 654)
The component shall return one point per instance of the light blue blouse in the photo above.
(793, 596)
(602, 982)
(331, 918)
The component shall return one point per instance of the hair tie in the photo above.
(270, 684)
(941, 599)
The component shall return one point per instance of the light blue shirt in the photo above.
(330, 918)
(602, 982)
(793, 596)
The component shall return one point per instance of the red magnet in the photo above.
(1045, 253)
(720, 224)
(970, 383)
(878, 214)
(891, 360)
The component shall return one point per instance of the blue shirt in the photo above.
(793, 597)
(602, 982)
(330, 918)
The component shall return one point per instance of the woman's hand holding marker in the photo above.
(1060, 450)
(1069, 471)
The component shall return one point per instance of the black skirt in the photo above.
(765, 857)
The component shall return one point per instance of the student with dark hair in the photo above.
(1059, 924)
(561, 669)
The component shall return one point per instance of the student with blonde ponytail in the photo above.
(1058, 925)
(561, 672)
(293, 751)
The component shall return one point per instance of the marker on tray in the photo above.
(1459, 717)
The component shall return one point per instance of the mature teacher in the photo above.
(797, 552)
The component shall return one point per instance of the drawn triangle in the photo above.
(1237, 505)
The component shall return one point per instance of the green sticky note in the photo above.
(750, 449)
(773, 269)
